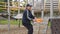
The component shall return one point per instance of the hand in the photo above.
(34, 20)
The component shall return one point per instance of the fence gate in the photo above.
(55, 26)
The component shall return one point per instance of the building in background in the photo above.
(38, 6)
(55, 5)
(59, 6)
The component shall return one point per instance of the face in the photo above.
(29, 8)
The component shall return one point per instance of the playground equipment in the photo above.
(55, 27)
(38, 20)
(10, 14)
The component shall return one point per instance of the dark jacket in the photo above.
(27, 16)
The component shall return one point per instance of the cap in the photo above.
(29, 5)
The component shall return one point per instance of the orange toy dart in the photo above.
(39, 20)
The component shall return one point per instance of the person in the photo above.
(27, 18)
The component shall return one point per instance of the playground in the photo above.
(47, 13)
(14, 29)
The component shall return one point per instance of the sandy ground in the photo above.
(14, 29)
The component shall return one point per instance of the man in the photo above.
(27, 18)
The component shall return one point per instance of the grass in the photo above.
(13, 22)
(49, 24)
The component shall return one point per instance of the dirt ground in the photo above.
(14, 29)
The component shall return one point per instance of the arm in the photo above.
(28, 16)
(33, 17)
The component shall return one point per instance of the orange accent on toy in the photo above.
(39, 20)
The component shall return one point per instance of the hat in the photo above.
(29, 5)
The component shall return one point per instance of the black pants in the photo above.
(29, 27)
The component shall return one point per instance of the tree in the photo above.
(1, 0)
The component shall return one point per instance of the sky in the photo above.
(18, 0)
(21, 0)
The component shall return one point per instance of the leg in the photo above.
(29, 27)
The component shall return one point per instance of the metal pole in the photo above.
(27, 1)
(51, 8)
(8, 15)
(33, 7)
(19, 7)
(42, 15)
(19, 12)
